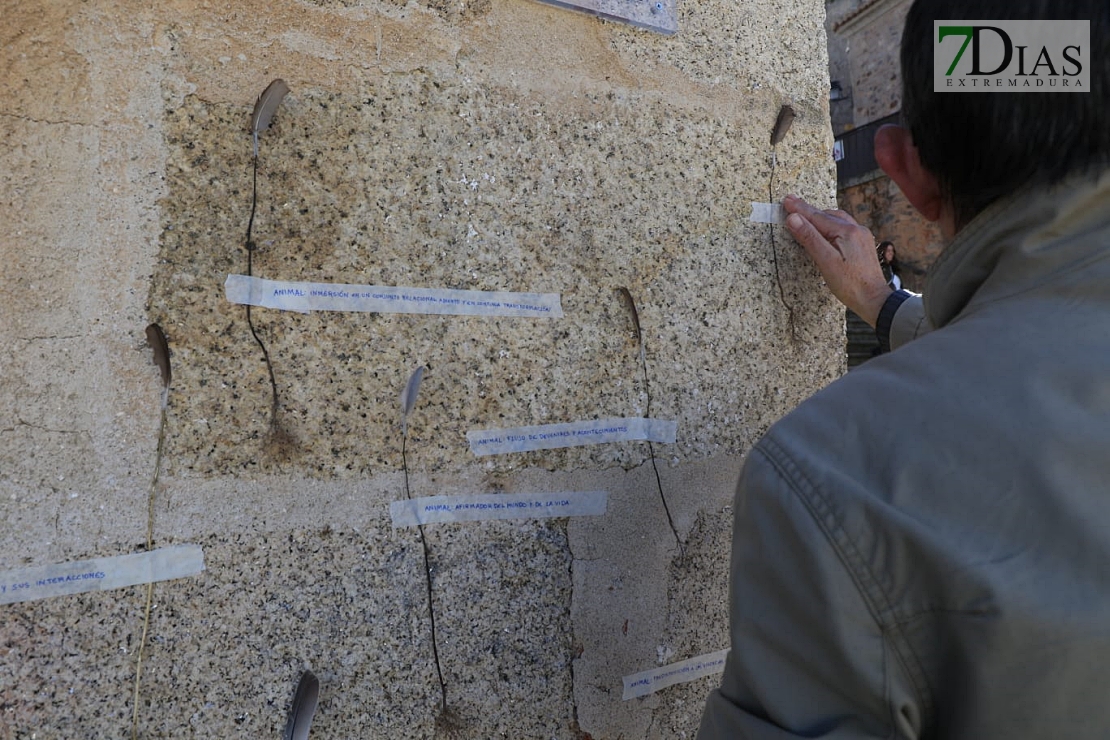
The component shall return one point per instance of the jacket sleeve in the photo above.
(901, 319)
(808, 658)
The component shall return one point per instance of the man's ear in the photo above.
(897, 156)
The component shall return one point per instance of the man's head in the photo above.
(960, 151)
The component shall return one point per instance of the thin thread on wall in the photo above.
(446, 721)
(630, 304)
(156, 338)
(778, 133)
(264, 109)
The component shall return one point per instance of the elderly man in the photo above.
(944, 571)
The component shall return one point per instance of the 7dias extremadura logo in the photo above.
(1011, 56)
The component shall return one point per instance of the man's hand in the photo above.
(844, 252)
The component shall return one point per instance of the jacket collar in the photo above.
(1019, 242)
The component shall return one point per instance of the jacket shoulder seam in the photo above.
(878, 601)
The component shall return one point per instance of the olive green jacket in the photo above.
(922, 549)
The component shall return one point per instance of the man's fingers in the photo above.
(843, 215)
(794, 204)
(828, 233)
(843, 251)
(831, 223)
(818, 247)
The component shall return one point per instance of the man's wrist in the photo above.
(886, 317)
(869, 308)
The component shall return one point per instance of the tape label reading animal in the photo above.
(437, 509)
(306, 297)
(571, 434)
(768, 213)
(656, 679)
(100, 574)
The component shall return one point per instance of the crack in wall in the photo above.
(42, 428)
(57, 337)
(45, 122)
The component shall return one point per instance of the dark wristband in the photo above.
(886, 317)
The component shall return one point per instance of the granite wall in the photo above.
(494, 145)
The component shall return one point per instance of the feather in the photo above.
(265, 108)
(408, 398)
(304, 706)
(157, 341)
(782, 124)
(626, 299)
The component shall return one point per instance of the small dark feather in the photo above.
(265, 107)
(304, 706)
(626, 299)
(412, 390)
(157, 341)
(408, 398)
(782, 124)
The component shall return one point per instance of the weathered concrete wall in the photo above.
(491, 145)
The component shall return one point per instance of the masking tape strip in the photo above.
(100, 574)
(305, 297)
(571, 434)
(657, 679)
(768, 213)
(436, 509)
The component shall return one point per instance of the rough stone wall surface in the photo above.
(840, 67)
(484, 145)
(873, 44)
(880, 206)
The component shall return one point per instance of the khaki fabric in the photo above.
(909, 322)
(922, 549)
